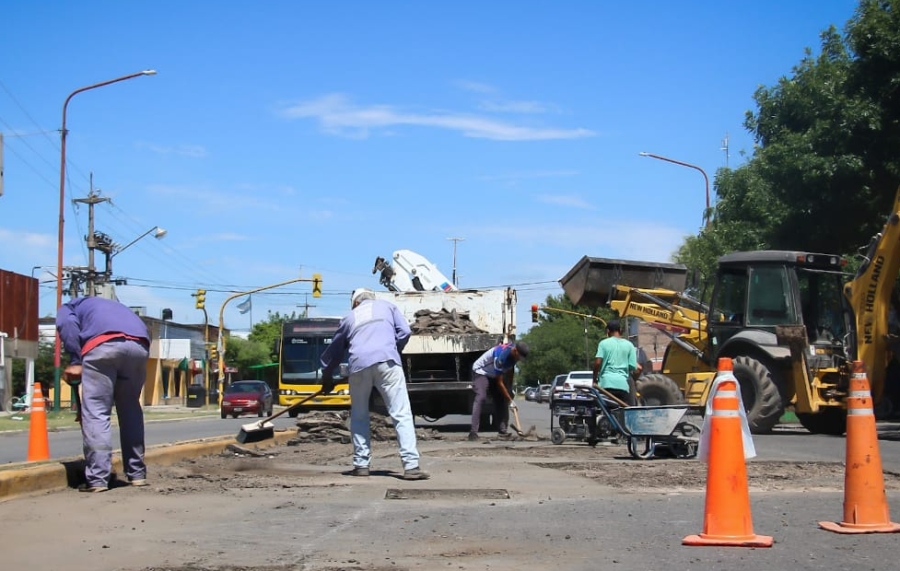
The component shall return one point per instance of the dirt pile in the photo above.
(333, 426)
(443, 322)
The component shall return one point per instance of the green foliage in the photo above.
(268, 332)
(242, 353)
(826, 164)
(562, 342)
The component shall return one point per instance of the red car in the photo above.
(247, 397)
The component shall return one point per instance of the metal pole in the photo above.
(455, 240)
(221, 339)
(57, 346)
(689, 165)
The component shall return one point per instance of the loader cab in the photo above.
(756, 291)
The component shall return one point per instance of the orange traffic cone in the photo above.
(38, 441)
(865, 503)
(727, 519)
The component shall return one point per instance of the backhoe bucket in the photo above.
(590, 282)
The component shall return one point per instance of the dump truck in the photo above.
(791, 321)
(451, 328)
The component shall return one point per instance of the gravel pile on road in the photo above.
(333, 426)
(442, 322)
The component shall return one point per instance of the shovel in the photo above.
(518, 424)
(264, 429)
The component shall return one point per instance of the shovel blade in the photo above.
(256, 432)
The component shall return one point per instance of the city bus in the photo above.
(300, 349)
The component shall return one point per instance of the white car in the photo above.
(577, 379)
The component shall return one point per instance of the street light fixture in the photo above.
(705, 178)
(159, 234)
(62, 203)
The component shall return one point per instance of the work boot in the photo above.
(92, 489)
(362, 471)
(415, 474)
(473, 436)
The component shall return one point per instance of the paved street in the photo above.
(558, 506)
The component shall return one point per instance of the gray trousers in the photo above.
(482, 384)
(113, 373)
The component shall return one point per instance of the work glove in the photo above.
(512, 405)
(327, 383)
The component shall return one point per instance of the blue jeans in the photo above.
(388, 379)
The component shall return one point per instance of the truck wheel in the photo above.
(656, 390)
(762, 401)
(830, 421)
(293, 412)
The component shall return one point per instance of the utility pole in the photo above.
(725, 148)
(305, 305)
(92, 199)
(455, 240)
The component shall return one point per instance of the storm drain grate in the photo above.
(456, 494)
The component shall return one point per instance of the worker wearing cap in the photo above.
(374, 333)
(487, 376)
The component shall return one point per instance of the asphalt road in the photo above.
(786, 443)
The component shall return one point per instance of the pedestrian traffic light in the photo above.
(317, 285)
(201, 298)
(534, 313)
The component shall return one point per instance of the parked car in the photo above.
(577, 379)
(557, 384)
(531, 394)
(543, 393)
(247, 397)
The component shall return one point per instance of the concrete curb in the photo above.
(26, 478)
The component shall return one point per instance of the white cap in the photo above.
(360, 294)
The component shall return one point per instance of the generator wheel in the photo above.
(657, 389)
(558, 436)
(641, 447)
(762, 401)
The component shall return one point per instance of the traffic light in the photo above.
(534, 313)
(317, 285)
(213, 353)
(201, 298)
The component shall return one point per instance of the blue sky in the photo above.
(281, 139)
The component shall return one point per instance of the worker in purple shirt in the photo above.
(487, 376)
(375, 333)
(108, 346)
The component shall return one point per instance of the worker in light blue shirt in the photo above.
(374, 333)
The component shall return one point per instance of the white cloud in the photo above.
(337, 115)
(517, 107)
(192, 151)
(564, 200)
(475, 86)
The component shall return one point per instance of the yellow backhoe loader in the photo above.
(787, 319)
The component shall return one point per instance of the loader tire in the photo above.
(762, 400)
(657, 390)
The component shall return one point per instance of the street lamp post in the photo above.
(705, 178)
(62, 203)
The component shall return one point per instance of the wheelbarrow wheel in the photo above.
(558, 436)
(641, 447)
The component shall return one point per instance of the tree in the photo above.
(268, 332)
(242, 353)
(825, 167)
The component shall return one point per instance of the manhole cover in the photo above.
(467, 494)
